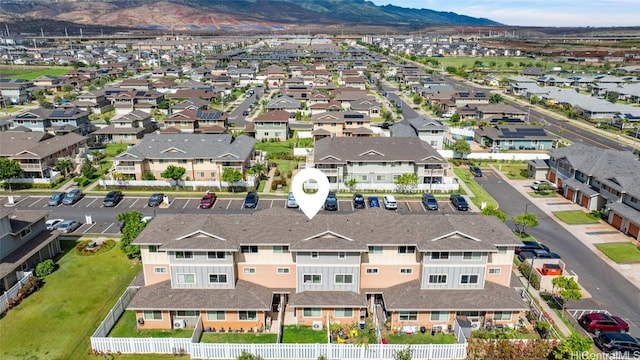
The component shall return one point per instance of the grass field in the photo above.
(480, 194)
(575, 217)
(57, 321)
(303, 335)
(420, 339)
(235, 338)
(621, 253)
(501, 63)
(31, 72)
(126, 327)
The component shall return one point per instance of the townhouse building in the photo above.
(600, 179)
(203, 156)
(341, 124)
(513, 137)
(272, 125)
(237, 272)
(54, 120)
(376, 162)
(126, 129)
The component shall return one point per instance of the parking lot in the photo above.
(104, 218)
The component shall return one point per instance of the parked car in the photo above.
(251, 200)
(112, 198)
(602, 322)
(536, 184)
(291, 201)
(331, 203)
(459, 202)
(72, 197)
(155, 199)
(476, 171)
(429, 201)
(623, 345)
(358, 201)
(373, 201)
(208, 200)
(56, 199)
(390, 202)
(52, 224)
(530, 246)
(538, 254)
(68, 226)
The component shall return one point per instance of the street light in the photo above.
(524, 219)
(531, 270)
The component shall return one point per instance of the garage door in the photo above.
(584, 201)
(617, 221)
(552, 176)
(634, 230)
(570, 194)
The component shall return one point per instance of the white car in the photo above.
(389, 202)
(537, 183)
(52, 224)
(68, 226)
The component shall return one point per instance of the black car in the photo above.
(476, 171)
(429, 201)
(459, 202)
(537, 254)
(112, 198)
(331, 203)
(251, 201)
(155, 199)
(530, 246)
(619, 344)
(358, 201)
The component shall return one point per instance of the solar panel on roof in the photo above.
(57, 113)
(353, 116)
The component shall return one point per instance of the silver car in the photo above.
(68, 226)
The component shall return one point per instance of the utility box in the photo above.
(551, 269)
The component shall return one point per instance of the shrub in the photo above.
(525, 269)
(45, 268)
(277, 172)
(283, 182)
(148, 176)
(274, 185)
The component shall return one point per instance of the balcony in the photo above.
(32, 167)
(126, 169)
(432, 172)
(329, 172)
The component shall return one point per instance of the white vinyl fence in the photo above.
(13, 292)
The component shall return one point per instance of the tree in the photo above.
(64, 166)
(461, 148)
(493, 211)
(569, 289)
(88, 170)
(404, 354)
(495, 99)
(148, 176)
(523, 221)
(231, 176)
(351, 183)
(9, 169)
(545, 188)
(258, 169)
(133, 225)
(173, 172)
(417, 100)
(407, 182)
(571, 345)
(45, 268)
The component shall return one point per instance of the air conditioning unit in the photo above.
(475, 324)
(179, 324)
(317, 325)
(141, 321)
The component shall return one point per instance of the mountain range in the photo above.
(226, 15)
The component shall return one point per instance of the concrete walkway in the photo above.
(267, 184)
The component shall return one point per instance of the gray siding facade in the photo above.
(328, 258)
(327, 281)
(454, 277)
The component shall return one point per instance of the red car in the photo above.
(207, 201)
(602, 322)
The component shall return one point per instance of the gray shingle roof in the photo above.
(190, 146)
(346, 299)
(375, 149)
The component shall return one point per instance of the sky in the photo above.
(558, 13)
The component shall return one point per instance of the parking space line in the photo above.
(408, 206)
(35, 202)
(424, 208)
(229, 204)
(91, 203)
(185, 204)
(105, 230)
(353, 208)
(89, 228)
(134, 202)
(271, 203)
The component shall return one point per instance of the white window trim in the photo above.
(498, 272)
(342, 255)
(285, 271)
(446, 278)
(312, 316)
(247, 319)
(144, 315)
(439, 315)
(470, 283)
(312, 283)
(249, 270)
(472, 258)
(185, 282)
(175, 255)
(160, 270)
(217, 282)
(372, 271)
(314, 255)
(502, 313)
(335, 279)
(408, 313)
(406, 273)
(335, 313)
(217, 312)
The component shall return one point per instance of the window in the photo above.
(184, 255)
(375, 249)
(502, 315)
(249, 270)
(342, 254)
(344, 279)
(190, 313)
(406, 249)
(372, 270)
(217, 278)
(200, 174)
(344, 313)
(439, 315)
(247, 315)
(152, 315)
(311, 312)
(283, 270)
(408, 316)
(312, 278)
(216, 315)
(467, 255)
(278, 249)
(216, 255)
(468, 279)
(314, 255)
(437, 279)
(439, 255)
(502, 249)
(406, 271)
(160, 270)
(153, 248)
(381, 178)
(249, 249)
(25, 232)
(494, 271)
(186, 278)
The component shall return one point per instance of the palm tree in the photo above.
(64, 166)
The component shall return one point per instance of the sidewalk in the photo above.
(267, 184)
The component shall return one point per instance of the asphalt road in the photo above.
(610, 290)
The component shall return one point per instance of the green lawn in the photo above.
(126, 327)
(549, 194)
(57, 321)
(112, 150)
(420, 339)
(293, 334)
(235, 338)
(32, 72)
(480, 195)
(574, 217)
(621, 253)
(276, 147)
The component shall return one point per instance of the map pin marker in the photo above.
(310, 204)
